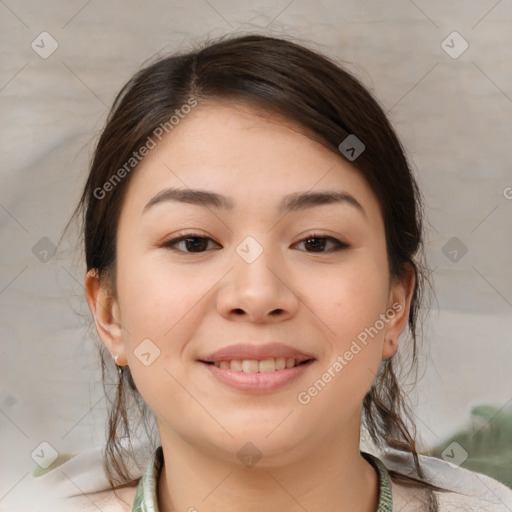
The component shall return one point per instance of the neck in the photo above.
(331, 476)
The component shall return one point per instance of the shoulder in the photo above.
(78, 483)
(107, 501)
(465, 490)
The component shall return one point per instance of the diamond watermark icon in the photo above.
(351, 147)
(44, 45)
(454, 249)
(455, 454)
(146, 352)
(454, 45)
(249, 455)
(44, 455)
(249, 249)
(44, 250)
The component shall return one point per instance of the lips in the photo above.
(241, 352)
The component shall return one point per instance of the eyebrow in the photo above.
(296, 201)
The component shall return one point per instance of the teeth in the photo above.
(235, 365)
(249, 366)
(253, 366)
(267, 365)
(281, 363)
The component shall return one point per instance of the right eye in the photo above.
(192, 242)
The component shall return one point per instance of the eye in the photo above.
(196, 243)
(193, 243)
(318, 243)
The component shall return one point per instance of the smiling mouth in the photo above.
(259, 366)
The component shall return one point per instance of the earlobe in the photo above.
(105, 311)
(389, 348)
(399, 305)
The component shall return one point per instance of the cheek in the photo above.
(350, 307)
(152, 299)
(350, 304)
(348, 300)
(161, 307)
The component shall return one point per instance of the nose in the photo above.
(257, 290)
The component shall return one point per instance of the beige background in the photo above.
(453, 115)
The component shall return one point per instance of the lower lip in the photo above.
(256, 382)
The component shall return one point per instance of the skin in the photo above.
(190, 304)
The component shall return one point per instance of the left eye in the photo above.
(199, 244)
(318, 243)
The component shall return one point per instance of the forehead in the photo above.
(240, 150)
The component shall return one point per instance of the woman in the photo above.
(253, 238)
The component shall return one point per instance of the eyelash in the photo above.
(339, 245)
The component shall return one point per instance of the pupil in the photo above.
(199, 244)
(320, 242)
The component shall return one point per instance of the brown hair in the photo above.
(287, 79)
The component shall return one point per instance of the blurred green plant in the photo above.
(488, 441)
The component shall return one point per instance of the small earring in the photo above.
(119, 367)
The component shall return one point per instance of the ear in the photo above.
(399, 305)
(105, 311)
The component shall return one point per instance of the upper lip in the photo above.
(256, 352)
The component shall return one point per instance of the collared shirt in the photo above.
(146, 496)
(79, 482)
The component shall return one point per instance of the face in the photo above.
(195, 278)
